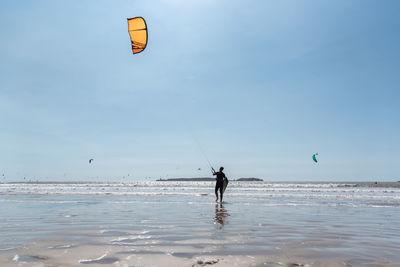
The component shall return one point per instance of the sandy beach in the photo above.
(179, 224)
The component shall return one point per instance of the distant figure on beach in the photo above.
(220, 182)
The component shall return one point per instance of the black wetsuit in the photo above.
(220, 182)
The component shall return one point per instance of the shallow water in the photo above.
(258, 223)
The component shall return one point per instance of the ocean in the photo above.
(167, 223)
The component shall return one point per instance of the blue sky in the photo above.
(256, 86)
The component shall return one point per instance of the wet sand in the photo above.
(140, 249)
(258, 225)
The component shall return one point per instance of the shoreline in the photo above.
(339, 184)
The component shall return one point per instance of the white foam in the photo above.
(93, 260)
(330, 191)
(130, 238)
(60, 246)
(16, 258)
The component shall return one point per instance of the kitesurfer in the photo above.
(220, 182)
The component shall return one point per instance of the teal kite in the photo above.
(314, 157)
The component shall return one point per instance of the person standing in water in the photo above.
(220, 182)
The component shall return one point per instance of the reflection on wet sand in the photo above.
(220, 215)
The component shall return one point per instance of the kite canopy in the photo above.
(138, 32)
(90, 161)
(314, 157)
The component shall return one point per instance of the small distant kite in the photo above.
(314, 157)
(138, 32)
(199, 169)
(90, 161)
